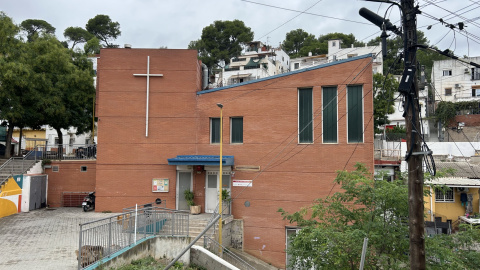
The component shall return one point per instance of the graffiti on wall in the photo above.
(11, 196)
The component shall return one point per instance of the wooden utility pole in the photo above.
(414, 151)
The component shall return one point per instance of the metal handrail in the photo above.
(101, 238)
(234, 258)
(10, 160)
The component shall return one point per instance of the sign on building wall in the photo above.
(160, 184)
(242, 183)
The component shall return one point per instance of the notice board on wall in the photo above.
(160, 184)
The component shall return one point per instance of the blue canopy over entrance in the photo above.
(205, 160)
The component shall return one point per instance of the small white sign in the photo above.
(242, 183)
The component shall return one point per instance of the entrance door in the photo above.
(184, 182)
(211, 190)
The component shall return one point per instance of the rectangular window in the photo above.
(355, 113)
(55, 168)
(444, 195)
(236, 132)
(297, 65)
(83, 168)
(329, 108)
(448, 91)
(305, 115)
(214, 130)
(447, 72)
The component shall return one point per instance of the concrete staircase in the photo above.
(14, 167)
(196, 226)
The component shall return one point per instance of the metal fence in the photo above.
(224, 253)
(65, 151)
(101, 238)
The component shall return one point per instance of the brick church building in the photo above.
(284, 137)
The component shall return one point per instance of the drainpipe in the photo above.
(204, 76)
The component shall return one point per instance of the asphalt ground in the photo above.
(43, 238)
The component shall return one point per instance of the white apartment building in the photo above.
(455, 81)
(336, 52)
(258, 61)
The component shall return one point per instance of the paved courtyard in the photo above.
(42, 239)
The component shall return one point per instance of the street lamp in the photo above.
(220, 180)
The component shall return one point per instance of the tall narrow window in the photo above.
(236, 124)
(305, 116)
(355, 113)
(329, 108)
(214, 130)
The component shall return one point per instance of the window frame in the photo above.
(324, 122)
(83, 168)
(212, 127)
(447, 72)
(305, 111)
(232, 131)
(450, 92)
(442, 198)
(350, 120)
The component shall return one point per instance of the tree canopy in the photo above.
(384, 89)
(36, 28)
(221, 41)
(42, 83)
(333, 229)
(77, 35)
(103, 28)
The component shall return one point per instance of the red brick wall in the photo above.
(69, 178)
(293, 175)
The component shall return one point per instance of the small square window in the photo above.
(83, 168)
(447, 72)
(55, 168)
(448, 91)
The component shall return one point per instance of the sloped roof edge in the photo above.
(288, 73)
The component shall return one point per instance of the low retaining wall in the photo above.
(202, 257)
(155, 246)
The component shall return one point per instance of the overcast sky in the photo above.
(174, 23)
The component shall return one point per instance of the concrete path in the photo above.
(42, 239)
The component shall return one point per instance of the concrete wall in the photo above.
(203, 257)
(157, 247)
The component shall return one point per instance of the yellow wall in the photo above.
(27, 133)
(450, 210)
(10, 198)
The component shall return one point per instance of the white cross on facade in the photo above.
(148, 75)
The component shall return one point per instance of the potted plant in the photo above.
(194, 209)
(226, 201)
(46, 163)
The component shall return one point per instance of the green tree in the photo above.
(92, 46)
(221, 41)
(35, 28)
(65, 82)
(77, 35)
(295, 40)
(384, 89)
(333, 229)
(16, 95)
(102, 27)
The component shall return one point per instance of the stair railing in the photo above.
(4, 166)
